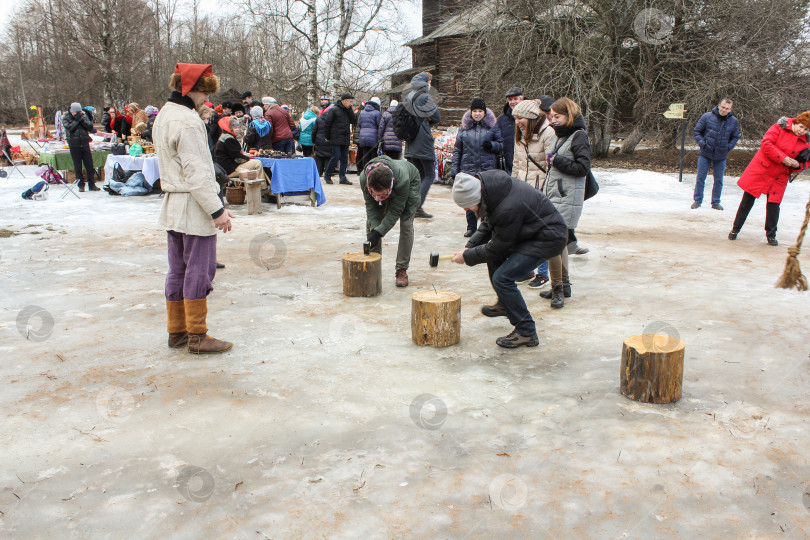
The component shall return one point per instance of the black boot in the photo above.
(557, 297)
(93, 187)
(566, 291)
(81, 187)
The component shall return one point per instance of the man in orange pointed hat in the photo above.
(192, 210)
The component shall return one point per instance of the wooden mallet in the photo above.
(435, 258)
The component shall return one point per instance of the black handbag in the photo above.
(119, 149)
(591, 186)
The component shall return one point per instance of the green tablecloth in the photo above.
(63, 162)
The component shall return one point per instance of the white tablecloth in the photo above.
(147, 165)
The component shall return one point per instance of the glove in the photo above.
(487, 146)
(803, 156)
(374, 237)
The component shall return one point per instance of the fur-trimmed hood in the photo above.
(489, 120)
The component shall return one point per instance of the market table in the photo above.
(63, 161)
(294, 175)
(146, 164)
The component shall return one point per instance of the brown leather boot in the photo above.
(199, 342)
(178, 336)
(402, 277)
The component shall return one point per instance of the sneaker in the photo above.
(328, 180)
(515, 340)
(402, 277)
(695, 205)
(220, 265)
(422, 214)
(525, 278)
(772, 241)
(733, 234)
(469, 233)
(538, 282)
(346, 182)
(496, 310)
(717, 206)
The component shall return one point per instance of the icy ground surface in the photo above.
(325, 420)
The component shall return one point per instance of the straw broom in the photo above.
(792, 276)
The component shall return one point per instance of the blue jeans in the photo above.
(285, 145)
(542, 270)
(719, 168)
(503, 276)
(339, 153)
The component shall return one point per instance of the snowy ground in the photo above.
(326, 421)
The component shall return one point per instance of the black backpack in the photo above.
(406, 125)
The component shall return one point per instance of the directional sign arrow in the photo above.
(674, 114)
(677, 106)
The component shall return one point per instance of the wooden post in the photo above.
(362, 274)
(652, 368)
(436, 318)
(253, 196)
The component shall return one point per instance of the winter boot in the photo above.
(557, 297)
(93, 187)
(178, 336)
(496, 310)
(566, 291)
(515, 340)
(402, 277)
(733, 234)
(199, 342)
(81, 187)
(772, 241)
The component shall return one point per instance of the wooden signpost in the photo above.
(678, 111)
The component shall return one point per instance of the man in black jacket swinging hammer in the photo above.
(519, 228)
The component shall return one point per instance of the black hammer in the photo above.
(435, 258)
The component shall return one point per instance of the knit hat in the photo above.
(478, 103)
(325, 98)
(527, 108)
(514, 91)
(194, 77)
(266, 100)
(75, 107)
(394, 103)
(466, 190)
(545, 102)
(256, 112)
(346, 95)
(375, 100)
(150, 110)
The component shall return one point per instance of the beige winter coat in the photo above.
(541, 144)
(186, 171)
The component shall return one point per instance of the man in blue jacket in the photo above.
(716, 133)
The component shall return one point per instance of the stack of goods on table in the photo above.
(274, 154)
(444, 143)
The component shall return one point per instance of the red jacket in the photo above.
(766, 173)
(283, 124)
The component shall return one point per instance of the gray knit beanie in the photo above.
(256, 112)
(75, 107)
(466, 190)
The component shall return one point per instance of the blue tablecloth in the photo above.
(290, 175)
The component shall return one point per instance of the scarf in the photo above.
(384, 196)
(261, 126)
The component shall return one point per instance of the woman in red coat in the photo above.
(784, 150)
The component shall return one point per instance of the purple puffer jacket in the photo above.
(386, 134)
(368, 123)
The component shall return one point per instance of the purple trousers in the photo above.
(192, 266)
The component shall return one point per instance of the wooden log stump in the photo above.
(436, 318)
(652, 368)
(253, 196)
(362, 274)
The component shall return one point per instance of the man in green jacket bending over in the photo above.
(391, 190)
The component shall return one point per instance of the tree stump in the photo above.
(652, 368)
(436, 318)
(362, 274)
(253, 195)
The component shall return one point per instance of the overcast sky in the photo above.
(414, 20)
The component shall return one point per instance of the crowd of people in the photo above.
(520, 178)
